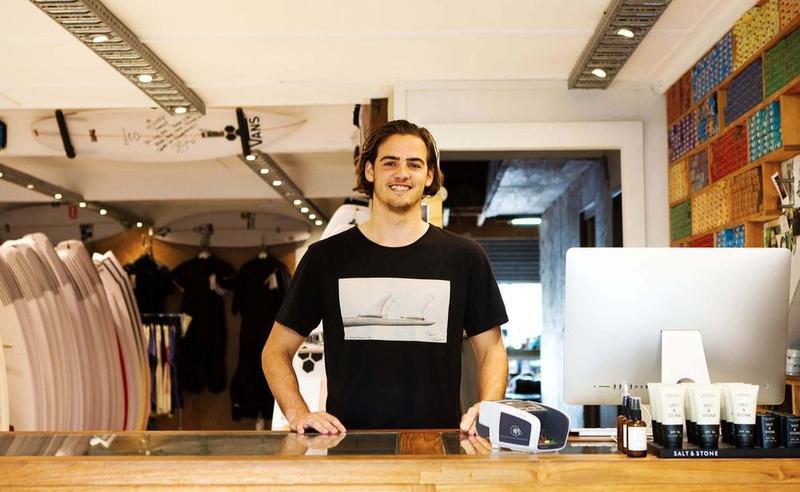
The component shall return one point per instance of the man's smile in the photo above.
(399, 187)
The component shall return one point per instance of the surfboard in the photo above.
(267, 229)
(153, 135)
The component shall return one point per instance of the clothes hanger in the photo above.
(263, 254)
(205, 240)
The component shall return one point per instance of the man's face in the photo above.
(400, 172)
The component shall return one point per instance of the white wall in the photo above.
(478, 107)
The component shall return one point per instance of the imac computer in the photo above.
(643, 315)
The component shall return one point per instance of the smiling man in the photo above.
(394, 295)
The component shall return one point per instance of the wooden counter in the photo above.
(414, 460)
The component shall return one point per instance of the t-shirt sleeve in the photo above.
(485, 308)
(301, 309)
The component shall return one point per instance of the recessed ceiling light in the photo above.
(304, 210)
(625, 33)
(100, 38)
(58, 196)
(103, 211)
(250, 157)
(82, 204)
(318, 222)
(263, 170)
(1, 175)
(145, 78)
(312, 216)
(599, 73)
(30, 187)
(180, 110)
(277, 182)
(139, 224)
(297, 202)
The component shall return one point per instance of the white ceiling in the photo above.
(315, 58)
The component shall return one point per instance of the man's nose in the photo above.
(402, 170)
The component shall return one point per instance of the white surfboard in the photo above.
(153, 135)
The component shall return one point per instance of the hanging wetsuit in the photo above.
(151, 283)
(259, 287)
(201, 353)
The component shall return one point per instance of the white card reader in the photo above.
(523, 425)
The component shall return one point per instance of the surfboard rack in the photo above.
(244, 132)
(62, 129)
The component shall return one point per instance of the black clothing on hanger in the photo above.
(151, 283)
(201, 359)
(259, 287)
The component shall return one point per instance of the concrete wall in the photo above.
(560, 230)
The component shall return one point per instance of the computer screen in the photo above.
(619, 300)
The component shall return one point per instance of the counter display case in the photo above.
(405, 460)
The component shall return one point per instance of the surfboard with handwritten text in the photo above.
(153, 135)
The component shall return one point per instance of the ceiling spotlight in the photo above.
(599, 73)
(139, 225)
(250, 157)
(82, 204)
(277, 182)
(180, 110)
(1, 175)
(103, 211)
(100, 38)
(625, 33)
(145, 78)
(312, 216)
(297, 202)
(58, 196)
(264, 170)
(30, 187)
(318, 222)
(304, 210)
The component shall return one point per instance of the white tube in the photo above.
(706, 403)
(744, 397)
(688, 410)
(655, 415)
(726, 410)
(670, 400)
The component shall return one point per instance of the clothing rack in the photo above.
(162, 333)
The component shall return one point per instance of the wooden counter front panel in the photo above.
(400, 472)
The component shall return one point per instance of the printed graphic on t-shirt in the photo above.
(394, 309)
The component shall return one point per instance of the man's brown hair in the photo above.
(369, 152)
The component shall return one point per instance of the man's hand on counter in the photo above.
(475, 445)
(469, 419)
(296, 444)
(321, 422)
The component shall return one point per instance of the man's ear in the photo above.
(429, 178)
(369, 172)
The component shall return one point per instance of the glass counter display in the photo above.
(402, 460)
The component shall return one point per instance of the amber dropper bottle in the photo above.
(637, 431)
(621, 418)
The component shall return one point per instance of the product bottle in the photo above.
(637, 431)
(626, 417)
(621, 418)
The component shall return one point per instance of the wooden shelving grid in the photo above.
(752, 178)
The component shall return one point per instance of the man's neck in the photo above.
(394, 229)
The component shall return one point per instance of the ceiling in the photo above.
(312, 58)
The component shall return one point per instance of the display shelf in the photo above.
(753, 224)
(785, 31)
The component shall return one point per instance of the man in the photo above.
(394, 295)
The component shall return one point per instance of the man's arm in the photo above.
(276, 361)
(490, 354)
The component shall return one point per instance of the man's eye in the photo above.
(416, 165)
(389, 163)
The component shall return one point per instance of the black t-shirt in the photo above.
(392, 323)
(151, 284)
